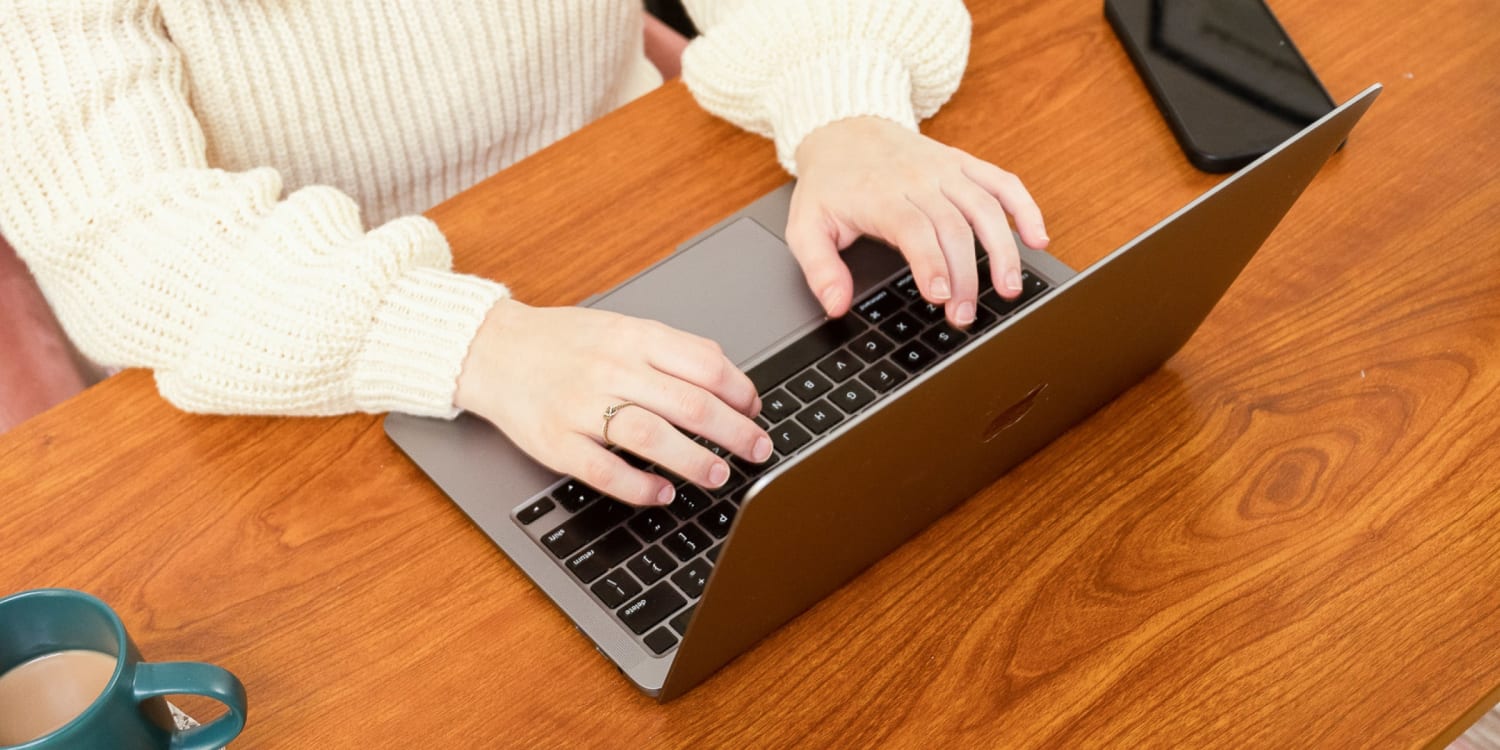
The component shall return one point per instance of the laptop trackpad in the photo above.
(739, 286)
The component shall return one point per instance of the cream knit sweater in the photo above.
(193, 182)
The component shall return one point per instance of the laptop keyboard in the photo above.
(648, 566)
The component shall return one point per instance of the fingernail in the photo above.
(665, 496)
(1013, 280)
(762, 449)
(965, 313)
(718, 474)
(829, 297)
(940, 288)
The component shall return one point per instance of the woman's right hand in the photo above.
(545, 376)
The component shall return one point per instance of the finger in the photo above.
(1013, 196)
(701, 361)
(644, 433)
(956, 239)
(899, 222)
(815, 246)
(1005, 264)
(984, 211)
(608, 473)
(701, 413)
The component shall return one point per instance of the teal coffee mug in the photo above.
(71, 679)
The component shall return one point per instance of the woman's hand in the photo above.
(545, 375)
(867, 175)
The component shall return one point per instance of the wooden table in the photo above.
(1290, 536)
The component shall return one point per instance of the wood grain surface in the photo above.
(1288, 537)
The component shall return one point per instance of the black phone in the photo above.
(1224, 73)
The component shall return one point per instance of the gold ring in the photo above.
(610, 414)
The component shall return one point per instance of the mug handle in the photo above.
(154, 680)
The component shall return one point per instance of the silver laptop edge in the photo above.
(887, 473)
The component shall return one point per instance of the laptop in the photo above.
(883, 420)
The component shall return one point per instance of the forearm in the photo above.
(240, 300)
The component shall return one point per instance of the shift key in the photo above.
(586, 526)
(657, 604)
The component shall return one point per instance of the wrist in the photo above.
(823, 142)
(856, 80)
(486, 354)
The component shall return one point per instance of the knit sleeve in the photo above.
(783, 68)
(241, 300)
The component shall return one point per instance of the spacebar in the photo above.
(805, 351)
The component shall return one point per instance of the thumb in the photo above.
(815, 246)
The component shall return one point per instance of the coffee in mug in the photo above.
(71, 679)
(42, 695)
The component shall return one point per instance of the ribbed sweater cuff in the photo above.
(418, 341)
(849, 80)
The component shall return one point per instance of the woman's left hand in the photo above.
(870, 176)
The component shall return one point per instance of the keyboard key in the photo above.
(1031, 286)
(914, 357)
(927, 312)
(763, 423)
(883, 376)
(809, 385)
(983, 320)
(901, 327)
(615, 588)
(851, 396)
(788, 437)
(752, 469)
(986, 283)
(713, 554)
(736, 480)
(652, 524)
(943, 339)
(534, 511)
(718, 519)
(778, 405)
(840, 365)
(871, 346)
(655, 605)
(680, 622)
(879, 306)
(906, 287)
(713, 448)
(689, 501)
(660, 641)
(692, 578)
(819, 416)
(585, 527)
(998, 304)
(603, 555)
(805, 351)
(572, 495)
(687, 542)
(651, 565)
